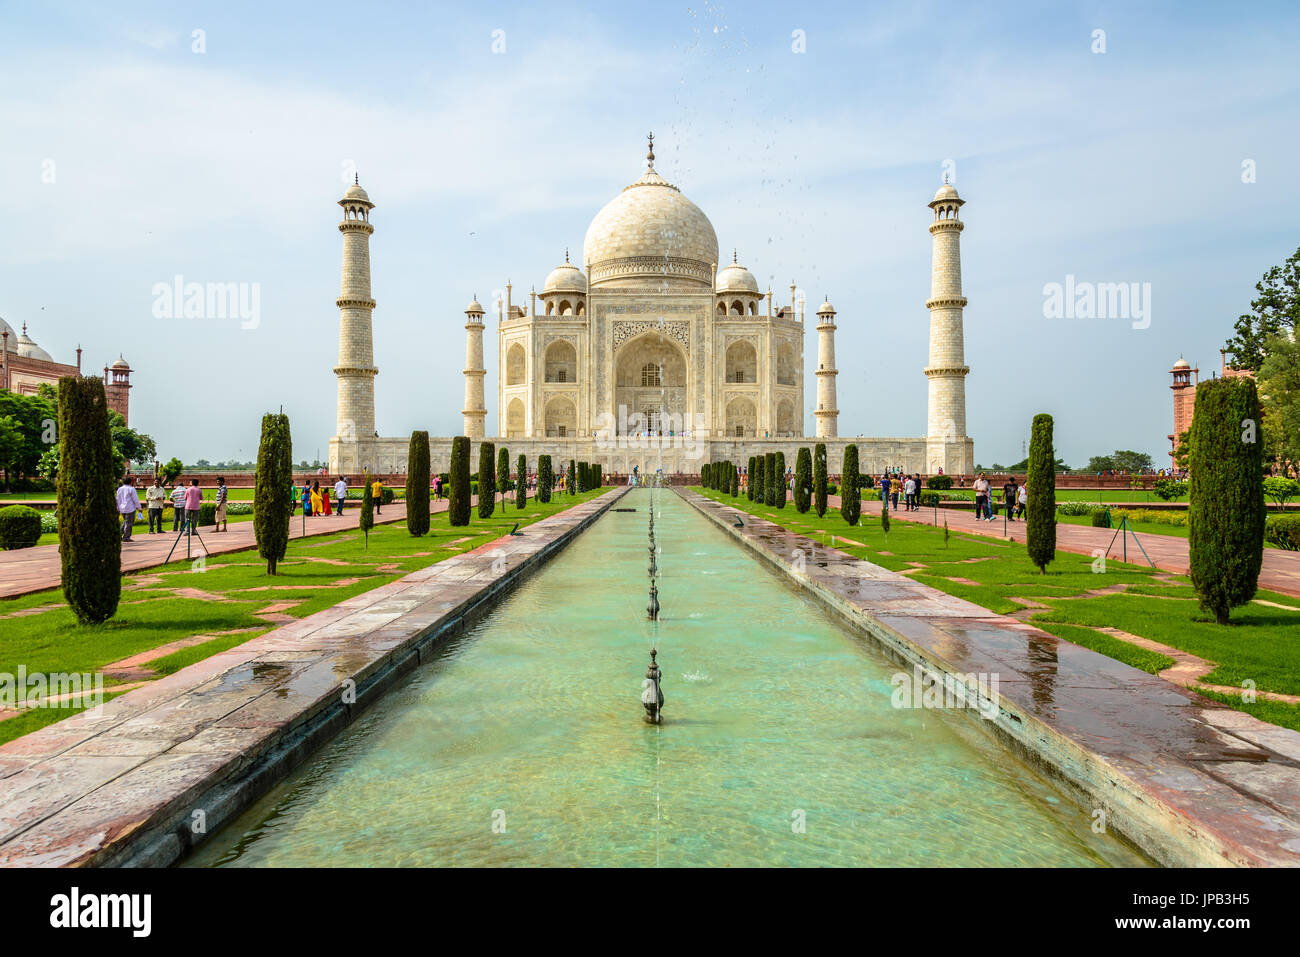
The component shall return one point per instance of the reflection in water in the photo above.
(522, 741)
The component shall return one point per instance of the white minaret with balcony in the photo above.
(475, 412)
(947, 446)
(827, 412)
(352, 445)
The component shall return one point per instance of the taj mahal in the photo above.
(652, 354)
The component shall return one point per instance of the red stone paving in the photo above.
(1280, 572)
(26, 570)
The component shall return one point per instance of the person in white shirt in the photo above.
(340, 493)
(178, 507)
(155, 496)
(128, 503)
(1022, 499)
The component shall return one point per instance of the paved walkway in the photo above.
(122, 784)
(1280, 571)
(25, 570)
(1193, 782)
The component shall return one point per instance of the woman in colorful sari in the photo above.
(315, 499)
(306, 499)
(325, 499)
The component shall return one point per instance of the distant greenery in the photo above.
(1121, 460)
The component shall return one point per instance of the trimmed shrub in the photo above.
(769, 478)
(503, 473)
(779, 500)
(1078, 508)
(521, 486)
(803, 480)
(1284, 532)
(571, 481)
(544, 478)
(704, 474)
(735, 481)
(272, 490)
(939, 482)
(758, 479)
(928, 499)
(20, 526)
(749, 485)
(417, 484)
(1040, 481)
(1101, 519)
(820, 491)
(884, 519)
(597, 475)
(487, 482)
(850, 493)
(90, 537)
(1167, 489)
(367, 519)
(866, 481)
(1225, 512)
(459, 490)
(1281, 489)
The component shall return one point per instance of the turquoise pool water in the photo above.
(522, 742)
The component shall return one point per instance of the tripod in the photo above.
(187, 530)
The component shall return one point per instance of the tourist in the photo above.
(219, 518)
(1022, 500)
(178, 507)
(341, 492)
(981, 487)
(884, 488)
(316, 498)
(437, 487)
(1009, 490)
(293, 496)
(306, 499)
(155, 499)
(128, 503)
(894, 490)
(326, 508)
(909, 493)
(377, 494)
(193, 498)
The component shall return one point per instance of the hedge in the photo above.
(939, 482)
(20, 526)
(1284, 532)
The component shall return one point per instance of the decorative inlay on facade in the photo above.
(947, 371)
(651, 266)
(355, 303)
(625, 329)
(946, 301)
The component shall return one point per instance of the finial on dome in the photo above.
(945, 179)
(566, 254)
(650, 155)
(734, 260)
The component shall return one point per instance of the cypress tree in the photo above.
(90, 531)
(417, 484)
(503, 474)
(704, 474)
(598, 471)
(780, 480)
(749, 486)
(458, 493)
(1225, 510)
(884, 519)
(803, 480)
(487, 479)
(521, 487)
(735, 481)
(273, 490)
(367, 520)
(1040, 487)
(769, 478)
(544, 478)
(850, 491)
(572, 478)
(819, 479)
(757, 484)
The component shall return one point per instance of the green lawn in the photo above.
(232, 589)
(1262, 644)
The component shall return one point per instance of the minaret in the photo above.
(351, 447)
(946, 445)
(827, 413)
(475, 412)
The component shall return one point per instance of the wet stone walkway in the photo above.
(127, 785)
(1190, 781)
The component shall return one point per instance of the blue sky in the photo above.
(225, 166)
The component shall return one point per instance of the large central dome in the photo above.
(651, 231)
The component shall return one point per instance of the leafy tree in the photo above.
(803, 480)
(1225, 511)
(850, 487)
(90, 538)
(1273, 313)
(487, 489)
(273, 490)
(1279, 385)
(1281, 489)
(11, 446)
(521, 487)
(36, 418)
(1182, 450)
(819, 479)
(1040, 482)
(1168, 489)
(417, 485)
(173, 467)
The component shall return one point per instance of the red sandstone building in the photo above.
(25, 366)
(1185, 381)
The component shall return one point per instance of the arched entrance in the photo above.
(650, 391)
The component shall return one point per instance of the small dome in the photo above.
(946, 192)
(1182, 363)
(356, 194)
(120, 363)
(565, 277)
(826, 309)
(474, 309)
(28, 349)
(736, 278)
(13, 336)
